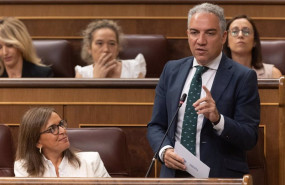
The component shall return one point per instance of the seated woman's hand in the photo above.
(104, 65)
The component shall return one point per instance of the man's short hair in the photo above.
(209, 8)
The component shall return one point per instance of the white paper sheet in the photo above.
(193, 165)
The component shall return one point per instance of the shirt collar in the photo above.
(214, 64)
(63, 162)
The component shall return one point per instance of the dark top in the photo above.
(31, 70)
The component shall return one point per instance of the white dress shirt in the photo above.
(132, 68)
(91, 166)
(207, 80)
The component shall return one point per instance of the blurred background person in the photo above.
(43, 149)
(17, 53)
(243, 46)
(100, 49)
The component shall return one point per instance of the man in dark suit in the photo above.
(228, 108)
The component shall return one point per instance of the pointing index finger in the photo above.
(208, 93)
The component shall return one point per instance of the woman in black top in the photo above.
(17, 54)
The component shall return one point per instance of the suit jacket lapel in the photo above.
(222, 78)
(181, 78)
(178, 87)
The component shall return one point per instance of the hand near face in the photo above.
(172, 160)
(207, 106)
(104, 65)
(104, 51)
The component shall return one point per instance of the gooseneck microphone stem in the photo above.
(182, 99)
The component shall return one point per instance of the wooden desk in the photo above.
(246, 180)
(128, 105)
(281, 131)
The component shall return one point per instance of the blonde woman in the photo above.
(17, 54)
(101, 45)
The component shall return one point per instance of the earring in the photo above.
(40, 149)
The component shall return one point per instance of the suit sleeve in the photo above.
(242, 129)
(159, 121)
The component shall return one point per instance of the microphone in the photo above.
(181, 101)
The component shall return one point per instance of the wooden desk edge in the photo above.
(136, 181)
(99, 83)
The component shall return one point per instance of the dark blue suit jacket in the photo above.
(235, 92)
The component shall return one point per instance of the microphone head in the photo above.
(182, 99)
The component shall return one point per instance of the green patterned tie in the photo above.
(188, 135)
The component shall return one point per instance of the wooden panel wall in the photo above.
(139, 19)
(66, 20)
(282, 130)
(269, 98)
